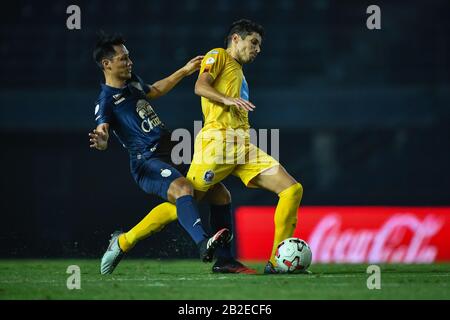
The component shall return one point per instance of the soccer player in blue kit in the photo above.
(123, 107)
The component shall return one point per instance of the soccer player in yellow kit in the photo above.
(225, 105)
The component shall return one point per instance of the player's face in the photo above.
(248, 48)
(121, 65)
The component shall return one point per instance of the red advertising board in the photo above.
(352, 234)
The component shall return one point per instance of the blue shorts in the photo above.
(155, 172)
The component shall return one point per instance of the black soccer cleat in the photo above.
(209, 246)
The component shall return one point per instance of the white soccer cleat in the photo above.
(113, 254)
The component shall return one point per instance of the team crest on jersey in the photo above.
(208, 176)
(210, 60)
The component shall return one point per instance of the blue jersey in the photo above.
(131, 117)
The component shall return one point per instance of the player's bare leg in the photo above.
(290, 193)
(217, 195)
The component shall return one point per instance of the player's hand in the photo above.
(98, 140)
(193, 65)
(240, 103)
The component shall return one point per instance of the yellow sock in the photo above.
(153, 222)
(286, 215)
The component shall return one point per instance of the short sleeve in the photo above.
(213, 62)
(103, 112)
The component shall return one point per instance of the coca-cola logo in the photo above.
(403, 237)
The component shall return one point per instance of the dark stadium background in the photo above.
(363, 115)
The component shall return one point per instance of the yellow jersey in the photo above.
(230, 81)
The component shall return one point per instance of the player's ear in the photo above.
(106, 64)
(235, 38)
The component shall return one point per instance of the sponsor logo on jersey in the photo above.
(118, 97)
(146, 112)
(119, 101)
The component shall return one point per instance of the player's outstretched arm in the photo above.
(204, 88)
(161, 87)
(99, 137)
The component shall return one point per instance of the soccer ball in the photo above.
(293, 255)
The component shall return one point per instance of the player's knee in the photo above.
(185, 189)
(180, 187)
(220, 195)
(225, 196)
(294, 192)
(298, 190)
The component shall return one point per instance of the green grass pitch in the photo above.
(187, 279)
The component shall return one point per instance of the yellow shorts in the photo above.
(214, 160)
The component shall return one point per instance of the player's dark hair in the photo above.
(243, 28)
(104, 49)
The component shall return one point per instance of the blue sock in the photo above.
(189, 218)
(221, 218)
